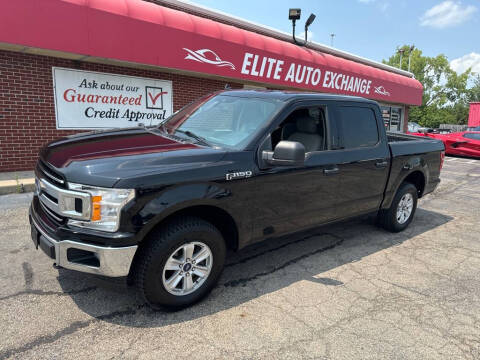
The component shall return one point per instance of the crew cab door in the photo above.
(289, 198)
(365, 161)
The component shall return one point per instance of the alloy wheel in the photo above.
(187, 268)
(404, 208)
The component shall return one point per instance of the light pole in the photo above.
(294, 15)
(332, 35)
(401, 51)
(410, 56)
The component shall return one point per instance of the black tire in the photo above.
(154, 253)
(388, 218)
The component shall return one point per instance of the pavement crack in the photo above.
(405, 288)
(248, 258)
(43, 292)
(243, 281)
(28, 275)
(72, 328)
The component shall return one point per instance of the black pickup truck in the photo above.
(160, 205)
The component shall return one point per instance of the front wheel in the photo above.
(401, 212)
(180, 263)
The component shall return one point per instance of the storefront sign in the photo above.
(93, 100)
(195, 45)
(297, 74)
(318, 72)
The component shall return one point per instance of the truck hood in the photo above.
(102, 158)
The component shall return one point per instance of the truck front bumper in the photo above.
(100, 260)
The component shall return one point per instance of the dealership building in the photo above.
(68, 66)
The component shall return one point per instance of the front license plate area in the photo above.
(47, 247)
(35, 236)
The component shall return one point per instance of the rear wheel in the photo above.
(401, 212)
(180, 263)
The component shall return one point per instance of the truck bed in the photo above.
(403, 144)
(396, 137)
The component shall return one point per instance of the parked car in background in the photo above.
(465, 143)
(413, 127)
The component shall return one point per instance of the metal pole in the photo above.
(410, 56)
(401, 51)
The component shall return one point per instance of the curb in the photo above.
(17, 186)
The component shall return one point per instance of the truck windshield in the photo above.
(222, 120)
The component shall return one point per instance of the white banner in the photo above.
(94, 100)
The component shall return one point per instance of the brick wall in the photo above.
(27, 113)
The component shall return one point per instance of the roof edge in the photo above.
(200, 10)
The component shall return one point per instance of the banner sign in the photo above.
(93, 100)
(334, 77)
(192, 45)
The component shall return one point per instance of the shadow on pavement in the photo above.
(251, 273)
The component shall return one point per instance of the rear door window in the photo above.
(359, 126)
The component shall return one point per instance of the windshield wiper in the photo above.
(200, 139)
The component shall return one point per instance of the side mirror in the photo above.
(286, 153)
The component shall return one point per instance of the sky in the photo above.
(375, 28)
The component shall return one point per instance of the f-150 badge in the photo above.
(238, 175)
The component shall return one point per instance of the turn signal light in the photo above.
(96, 208)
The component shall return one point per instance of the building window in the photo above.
(392, 118)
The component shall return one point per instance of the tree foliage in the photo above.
(446, 94)
(474, 94)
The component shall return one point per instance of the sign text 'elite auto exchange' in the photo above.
(271, 68)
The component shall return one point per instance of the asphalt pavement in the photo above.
(346, 291)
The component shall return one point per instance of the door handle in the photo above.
(331, 171)
(381, 164)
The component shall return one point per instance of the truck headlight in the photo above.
(105, 205)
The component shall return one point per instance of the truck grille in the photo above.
(59, 219)
(57, 201)
(47, 173)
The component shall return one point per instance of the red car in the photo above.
(465, 143)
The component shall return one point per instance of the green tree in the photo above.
(445, 93)
(474, 93)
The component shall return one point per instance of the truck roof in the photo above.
(288, 95)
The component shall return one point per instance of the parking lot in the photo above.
(346, 291)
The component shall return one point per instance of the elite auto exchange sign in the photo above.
(93, 100)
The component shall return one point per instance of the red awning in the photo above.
(145, 33)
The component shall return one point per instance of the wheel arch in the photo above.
(218, 217)
(418, 179)
(215, 215)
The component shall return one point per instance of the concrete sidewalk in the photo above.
(16, 182)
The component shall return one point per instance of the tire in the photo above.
(157, 283)
(389, 219)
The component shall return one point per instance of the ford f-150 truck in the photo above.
(160, 206)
